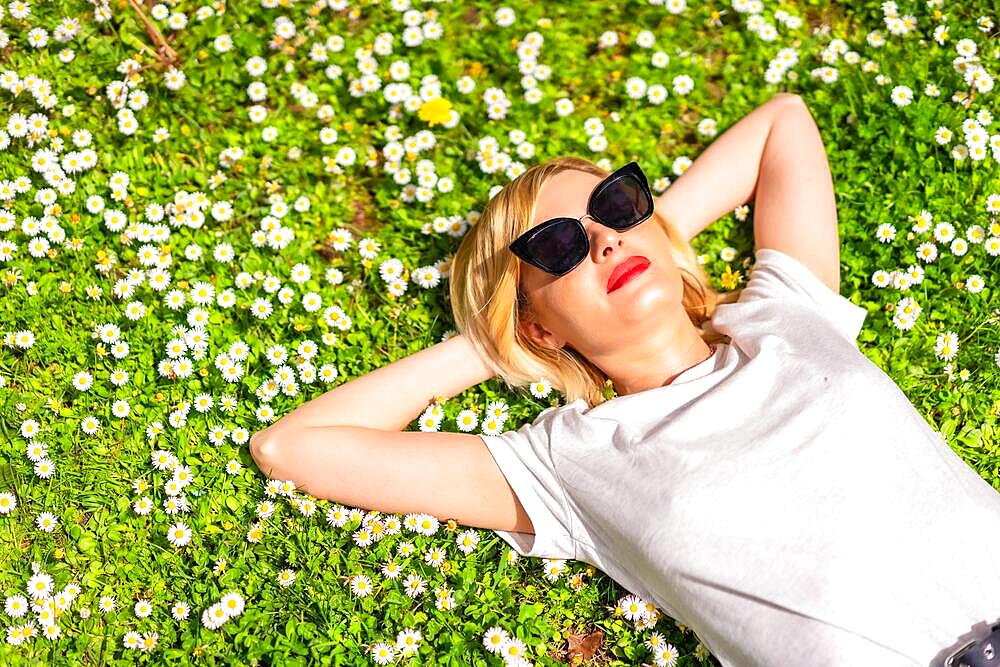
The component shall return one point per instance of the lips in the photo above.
(622, 270)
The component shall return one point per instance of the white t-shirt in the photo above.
(782, 498)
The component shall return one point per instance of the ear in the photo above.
(540, 335)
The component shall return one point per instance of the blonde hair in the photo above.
(488, 304)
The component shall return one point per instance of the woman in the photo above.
(756, 477)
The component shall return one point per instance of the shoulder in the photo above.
(575, 408)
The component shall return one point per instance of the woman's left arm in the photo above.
(795, 211)
(725, 174)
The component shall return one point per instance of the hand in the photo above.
(483, 369)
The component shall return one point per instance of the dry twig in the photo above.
(166, 54)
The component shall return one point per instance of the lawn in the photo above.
(210, 214)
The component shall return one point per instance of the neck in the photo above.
(659, 363)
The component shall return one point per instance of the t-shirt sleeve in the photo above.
(524, 457)
(779, 275)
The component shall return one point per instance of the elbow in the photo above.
(794, 97)
(264, 450)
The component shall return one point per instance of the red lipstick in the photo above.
(627, 270)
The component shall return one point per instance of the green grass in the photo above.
(886, 165)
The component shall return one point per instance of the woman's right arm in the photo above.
(348, 445)
(391, 397)
(725, 174)
(447, 475)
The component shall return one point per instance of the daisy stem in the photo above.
(988, 320)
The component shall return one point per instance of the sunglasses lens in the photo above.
(560, 246)
(623, 203)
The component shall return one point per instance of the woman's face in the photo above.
(576, 308)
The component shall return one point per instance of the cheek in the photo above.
(583, 302)
(559, 308)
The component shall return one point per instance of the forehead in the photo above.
(565, 195)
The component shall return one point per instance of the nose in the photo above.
(604, 238)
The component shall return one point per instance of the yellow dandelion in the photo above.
(436, 111)
(730, 279)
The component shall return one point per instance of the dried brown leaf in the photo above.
(585, 645)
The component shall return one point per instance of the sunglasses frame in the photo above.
(521, 245)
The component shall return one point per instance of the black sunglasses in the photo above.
(557, 246)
